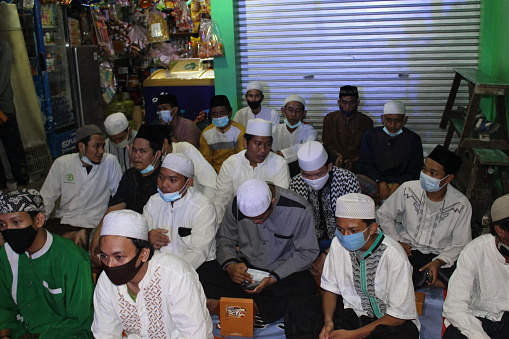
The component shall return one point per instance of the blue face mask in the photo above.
(149, 168)
(393, 134)
(430, 184)
(172, 196)
(352, 242)
(86, 160)
(166, 116)
(292, 126)
(221, 122)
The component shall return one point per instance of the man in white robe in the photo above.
(255, 109)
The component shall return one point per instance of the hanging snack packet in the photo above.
(157, 27)
(211, 42)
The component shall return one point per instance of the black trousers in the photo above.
(11, 139)
(418, 260)
(271, 302)
(304, 320)
(495, 329)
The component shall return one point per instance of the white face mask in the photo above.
(317, 184)
(122, 144)
(393, 134)
(430, 184)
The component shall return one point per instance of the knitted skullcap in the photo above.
(254, 85)
(116, 123)
(394, 107)
(179, 163)
(253, 197)
(311, 156)
(259, 127)
(355, 206)
(500, 208)
(294, 97)
(86, 131)
(125, 223)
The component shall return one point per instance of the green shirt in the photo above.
(54, 291)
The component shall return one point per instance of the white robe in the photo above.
(171, 304)
(244, 114)
(289, 143)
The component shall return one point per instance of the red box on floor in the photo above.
(236, 317)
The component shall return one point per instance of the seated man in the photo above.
(477, 303)
(142, 294)
(343, 130)
(321, 184)
(367, 283)
(84, 182)
(256, 161)
(391, 154)
(436, 219)
(255, 109)
(120, 139)
(267, 228)
(181, 220)
(182, 129)
(289, 135)
(45, 280)
(223, 137)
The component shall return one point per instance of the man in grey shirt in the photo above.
(270, 229)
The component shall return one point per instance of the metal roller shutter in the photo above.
(404, 50)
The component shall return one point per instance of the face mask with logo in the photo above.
(172, 196)
(430, 184)
(292, 126)
(352, 242)
(166, 116)
(20, 239)
(122, 274)
(221, 122)
(393, 134)
(317, 184)
(254, 104)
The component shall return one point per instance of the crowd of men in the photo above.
(250, 208)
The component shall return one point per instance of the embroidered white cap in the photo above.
(311, 156)
(125, 223)
(179, 163)
(259, 127)
(116, 123)
(355, 206)
(500, 208)
(394, 107)
(254, 85)
(295, 97)
(253, 197)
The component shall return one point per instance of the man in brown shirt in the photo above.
(343, 129)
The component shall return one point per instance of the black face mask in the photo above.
(254, 104)
(20, 239)
(122, 274)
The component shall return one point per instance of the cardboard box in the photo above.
(419, 302)
(236, 317)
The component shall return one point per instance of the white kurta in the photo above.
(444, 232)
(244, 114)
(191, 224)
(122, 154)
(237, 169)
(83, 196)
(205, 175)
(289, 143)
(171, 304)
(479, 287)
(392, 283)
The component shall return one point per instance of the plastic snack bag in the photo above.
(157, 27)
(211, 42)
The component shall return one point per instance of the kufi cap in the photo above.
(394, 107)
(24, 200)
(166, 98)
(348, 91)
(294, 97)
(87, 131)
(253, 197)
(116, 123)
(125, 223)
(259, 127)
(220, 100)
(254, 85)
(446, 158)
(152, 133)
(500, 208)
(179, 163)
(355, 206)
(311, 156)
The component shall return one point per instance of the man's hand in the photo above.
(80, 238)
(339, 160)
(348, 164)
(158, 238)
(384, 190)
(317, 267)
(266, 282)
(344, 334)
(279, 153)
(393, 188)
(238, 273)
(406, 247)
(327, 329)
(433, 267)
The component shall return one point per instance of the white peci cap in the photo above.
(259, 127)
(394, 107)
(116, 123)
(254, 85)
(179, 163)
(253, 197)
(311, 156)
(355, 206)
(125, 223)
(294, 97)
